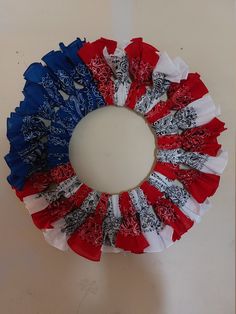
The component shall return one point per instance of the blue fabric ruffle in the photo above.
(57, 96)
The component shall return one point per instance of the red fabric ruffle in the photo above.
(129, 236)
(87, 240)
(62, 173)
(183, 93)
(56, 210)
(168, 212)
(135, 92)
(199, 184)
(202, 139)
(171, 215)
(36, 183)
(167, 169)
(39, 181)
(179, 95)
(160, 110)
(142, 60)
(92, 55)
(151, 192)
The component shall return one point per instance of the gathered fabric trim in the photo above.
(80, 78)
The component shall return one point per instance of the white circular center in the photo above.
(112, 149)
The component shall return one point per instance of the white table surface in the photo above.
(195, 276)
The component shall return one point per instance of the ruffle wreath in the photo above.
(80, 78)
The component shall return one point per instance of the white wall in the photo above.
(196, 275)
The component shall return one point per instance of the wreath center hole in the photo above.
(112, 149)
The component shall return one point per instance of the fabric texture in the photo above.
(83, 77)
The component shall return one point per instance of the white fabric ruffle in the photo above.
(159, 241)
(119, 65)
(56, 237)
(205, 109)
(216, 165)
(115, 205)
(175, 70)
